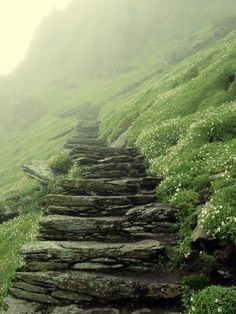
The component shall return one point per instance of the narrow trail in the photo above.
(100, 240)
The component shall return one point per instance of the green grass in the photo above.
(184, 123)
(13, 235)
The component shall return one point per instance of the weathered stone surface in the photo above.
(109, 186)
(84, 141)
(39, 170)
(88, 211)
(33, 296)
(104, 288)
(114, 170)
(7, 213)
(56, 227)
(105, 228)
(155, 311)
(75, 310)
(91, 160)
(103, 152)
(72, 309)
(101, 202)
(153, 212)
(121, 141)
(16, 306)
(82, 134)
(116, 166)
(90, 255)
(88, 128)
(102, 311)
(94, 205)
(199, 234)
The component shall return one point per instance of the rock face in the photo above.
(39, 170)
(101, 239)
(122, 140)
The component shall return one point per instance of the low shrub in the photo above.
(212, 300)
(185, 199)
(218, 217)
(61, 164)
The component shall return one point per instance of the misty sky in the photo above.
(18, 20)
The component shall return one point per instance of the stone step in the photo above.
(87, 128)
(87, 212)
(64, 228)
(94, 205)
(124, 186)
(88, 119)
(73, 309)
(115, 174)
(102, 152)
(16, 306)
(81, 134)
(114, 170)
(155, 212)
(55, 288)
(90, 160)
(51, 255)
(116, 166)
(110, 229)
(84, 141)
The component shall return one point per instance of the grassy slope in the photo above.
(185, 125)
(55, 91)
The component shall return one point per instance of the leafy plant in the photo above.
(214, 299)
(61, 163)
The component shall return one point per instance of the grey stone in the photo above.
(199, 234)
(39, 170)
(72, 309)
(58, 227)
(105, 287)
(89, 255)
(102, 311)
(121, 141)
(16, 306)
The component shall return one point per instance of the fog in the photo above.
(18, 21)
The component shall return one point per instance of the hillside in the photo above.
(58, 73)
(184, 124)
(164, 78)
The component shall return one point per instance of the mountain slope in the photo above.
(121, 54)
(91, 52)
(185, 125)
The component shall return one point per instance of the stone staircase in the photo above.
(101, 239)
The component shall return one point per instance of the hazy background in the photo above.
(18, 21)
(89, 51)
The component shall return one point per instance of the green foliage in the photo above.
(218, 216)
(185, 125)
(16, 232)
(190, 284)
(201, 183)
(54, 185)
(185, 199)
(61, 164)
(13, 235)
(75, 171)
(214, 299)
(195, 282)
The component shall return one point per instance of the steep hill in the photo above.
(135, 60)
(91, 52)
(185, 125)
